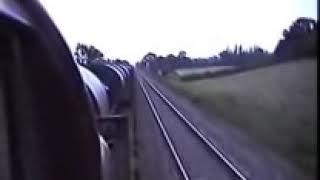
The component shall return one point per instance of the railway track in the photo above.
(196, 157)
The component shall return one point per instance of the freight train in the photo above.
(51, 108)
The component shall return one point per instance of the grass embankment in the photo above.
(276, 104)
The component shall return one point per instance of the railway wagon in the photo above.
(115, 78)
(127, 89)
(47, 127)
(97, 93)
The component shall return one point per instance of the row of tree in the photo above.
(237, 57)
(299, 40)
(85, 54)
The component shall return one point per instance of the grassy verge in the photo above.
(276, 104)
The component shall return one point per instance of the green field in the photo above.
(276, 104)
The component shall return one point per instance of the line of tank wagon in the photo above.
(108, 86)
(51, 127)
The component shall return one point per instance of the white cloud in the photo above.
(129, 29)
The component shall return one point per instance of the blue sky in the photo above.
(128, 29)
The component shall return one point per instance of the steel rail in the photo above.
(165, 134)
(210, 144)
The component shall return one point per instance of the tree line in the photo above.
(299, 40)
(86, 54)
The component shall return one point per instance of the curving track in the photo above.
(196, 157)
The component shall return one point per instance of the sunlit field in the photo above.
(276, 105)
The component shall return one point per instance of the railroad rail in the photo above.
(235, 173)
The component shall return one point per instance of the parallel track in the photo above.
(183, 168)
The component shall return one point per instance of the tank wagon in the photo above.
(97, 93)
(117, 78)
